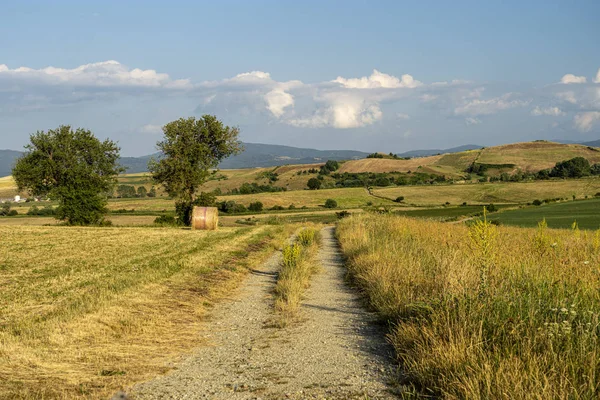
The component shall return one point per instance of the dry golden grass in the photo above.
(387, 165)
(85, 311)
(483, 312)
(299, 263)
(534, 156)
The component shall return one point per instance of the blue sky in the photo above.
(368, 75)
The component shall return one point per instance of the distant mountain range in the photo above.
(267, 155)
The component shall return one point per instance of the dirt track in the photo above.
(335, 352)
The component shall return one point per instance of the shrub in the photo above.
(277, 208)
(342, 214)
(205, 199)
(166, 220)
(399, 199)
(12, 213)
(491, 208)
(5, 209)
(256, 206)
(292, 207)
(597, 194)
(330, 203)
(537, 202)
(306, 237)
(313, 184)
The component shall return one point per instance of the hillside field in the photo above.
(85, 311)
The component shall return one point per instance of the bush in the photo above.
(5, 209)
(256, 206)
(537, 202)
(292, 207)
(314, 184)
(342, 214)
(277, 208)
(330, 203)
(166, 220)
(12, 213)
(597, 194)
(399, 199)
(491, 208)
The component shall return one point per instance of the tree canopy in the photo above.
(73, 167)
(190, 148)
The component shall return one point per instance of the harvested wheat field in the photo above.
(86, 311)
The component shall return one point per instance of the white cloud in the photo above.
(585, 121)
(101, 74)
(277, 101)
(491, 106)
(570, 78)
(402, 116)
(597, 79)
(472, 121)
(567, 96)
(554, 111)
(343, 111)
(151, 129)
(378, 80)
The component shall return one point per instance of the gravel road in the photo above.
(335, 352)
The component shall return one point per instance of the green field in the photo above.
(445, 213)
(557, 215)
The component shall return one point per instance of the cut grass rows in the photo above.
(483, 312)
(85, 311)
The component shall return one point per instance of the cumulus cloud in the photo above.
(597, 79)
(378, 80)
(402, 116)
(277, 101)
(554, 111)
(570, 78)
(342, 111)
(585, 121)
(472, 121)
(101, 74)
(490, 106)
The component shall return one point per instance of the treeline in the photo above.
(253, 188)
(129, 191)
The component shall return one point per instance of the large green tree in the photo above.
(190, 148)
(73, 167)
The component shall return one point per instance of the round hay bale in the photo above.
(205, 218)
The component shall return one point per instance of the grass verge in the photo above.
(87, 311)
(298, 264)
(483, 312)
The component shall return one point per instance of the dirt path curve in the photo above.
(336, 352)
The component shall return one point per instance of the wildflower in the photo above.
(554, 309)
(586, 262)
(554, 244)
(564, 310)
(573, 312)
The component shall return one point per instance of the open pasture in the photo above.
(84, 311)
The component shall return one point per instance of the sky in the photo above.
(361, 75)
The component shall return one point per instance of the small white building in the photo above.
(17, 198)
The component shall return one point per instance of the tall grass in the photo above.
(298, 264)
(483, 312)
